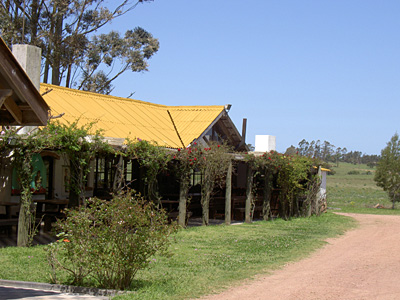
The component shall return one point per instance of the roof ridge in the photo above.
(52, 86)
(110, 97)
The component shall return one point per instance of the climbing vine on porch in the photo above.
(19, 148)
(78, 142)
(152, 157)
(294, 176)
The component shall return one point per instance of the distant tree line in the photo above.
(329, 153)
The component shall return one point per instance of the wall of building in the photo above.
(61, 177)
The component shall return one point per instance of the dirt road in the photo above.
(362, 264)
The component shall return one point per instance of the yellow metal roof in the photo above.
(123, 118)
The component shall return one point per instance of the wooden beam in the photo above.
(13, 109)
(249, 195)
(4, 94)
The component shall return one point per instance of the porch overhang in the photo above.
(20, 102)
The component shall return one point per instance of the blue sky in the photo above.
(326, 70)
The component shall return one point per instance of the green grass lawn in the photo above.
(209, 259)
(356, 193)
(204, 259)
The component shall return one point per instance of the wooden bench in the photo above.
(49, 218)
(7, 224)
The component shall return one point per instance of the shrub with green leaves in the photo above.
(110, 241)
(353, 172)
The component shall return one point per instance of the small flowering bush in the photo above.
(110, 241)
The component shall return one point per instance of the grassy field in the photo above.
(356, 193)
(204, 259)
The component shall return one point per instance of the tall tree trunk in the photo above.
(249, 195)
(46, 68)
(56, 66)
(49, 52)
(267, 193)
(34, 21)
(228, 194)
(68, 80)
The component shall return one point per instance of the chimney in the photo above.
(244, 126)
(30, 58)
(265, 143)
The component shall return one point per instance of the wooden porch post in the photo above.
(267, 195)
(183, 191)
(228, 194)
(319, 195)
(249, 195)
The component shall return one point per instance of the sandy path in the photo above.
(362, 264)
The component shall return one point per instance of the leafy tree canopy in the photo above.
(387, 173)
(71, 49)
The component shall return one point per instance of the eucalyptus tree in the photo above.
(71, 49)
